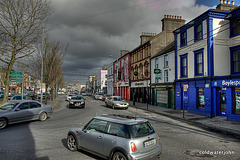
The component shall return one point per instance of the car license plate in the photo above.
(149, 143)
(77, 104)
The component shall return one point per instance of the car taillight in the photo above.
(158, 139)
(133, 147)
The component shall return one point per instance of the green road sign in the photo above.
(15, 80)
(157, 71)
(158, 77)
(15, 77)
(16, 73)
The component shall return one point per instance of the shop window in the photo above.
(183, 38)
(198, 32)
(237, 101)
(201, 100)
(199, 62)
(184, 71)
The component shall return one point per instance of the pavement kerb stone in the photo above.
(192, 122)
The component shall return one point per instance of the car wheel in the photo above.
(3, 123)
(71, 143)
(113, 106)
(106, 104)
(43, 116)
(119, 156)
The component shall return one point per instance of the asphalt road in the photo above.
(47, 140)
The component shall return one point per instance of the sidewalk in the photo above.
(220, 124)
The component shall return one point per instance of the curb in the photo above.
(199, 124)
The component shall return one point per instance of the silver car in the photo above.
(20, 111)
(117, 137)
(116, 102)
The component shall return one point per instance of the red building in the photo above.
(121, 75)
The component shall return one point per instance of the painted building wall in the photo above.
(221, 52)
(160, 61)
(110, 79)
(189, 50)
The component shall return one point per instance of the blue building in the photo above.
(207, 58)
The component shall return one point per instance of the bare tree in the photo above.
(53, 57)
(21, 23)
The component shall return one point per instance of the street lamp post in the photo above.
(41, 52)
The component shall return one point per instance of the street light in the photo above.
(41, 53)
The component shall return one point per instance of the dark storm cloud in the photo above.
(97, 28)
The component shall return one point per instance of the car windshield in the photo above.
(117, 99)
(8, 106)
(141, 129)
(18, 97)
(77, 97)
(99, 94)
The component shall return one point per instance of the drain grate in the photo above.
(197, 153)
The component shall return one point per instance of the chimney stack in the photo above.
(226, 5)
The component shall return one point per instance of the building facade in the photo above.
(110, 79)
(207, 56)
(101, 84)
(121, 76)
(162, 77)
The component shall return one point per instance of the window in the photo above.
(183, 64)
(198, 32)
(35, 105)
(23, 106)
(141, 129)
(122, 63)
(235, 27)
(165, 60)
(201, 100)
(183, 38)
(156, 64)
(199, 62)
(166, 75)
(237, 101)
(119, 130)
(96, 125)
(136, 56)
(236, 61)
(141, 71)
(141, 54)
(146, 52)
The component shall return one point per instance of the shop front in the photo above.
(140, 91)
(227, 98)
(163, 95)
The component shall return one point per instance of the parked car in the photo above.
(98, 96)
(106, 96)
(83, 93)
(20, 111)
(116, 102)
(69, 96)
(43, 96)
(1, 94)
(89, 94)
(77, 101)
(19, 97)
(117, 137)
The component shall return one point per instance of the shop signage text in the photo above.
(226, 83)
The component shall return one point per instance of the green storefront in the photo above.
(163, 94)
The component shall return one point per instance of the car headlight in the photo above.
(117, 104)
(82, 102)
(71, 102)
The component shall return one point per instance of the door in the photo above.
(222, 102)
(93, 137)
(20, 113)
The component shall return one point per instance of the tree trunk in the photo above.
(7, 82)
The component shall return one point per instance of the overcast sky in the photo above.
(96, 29)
